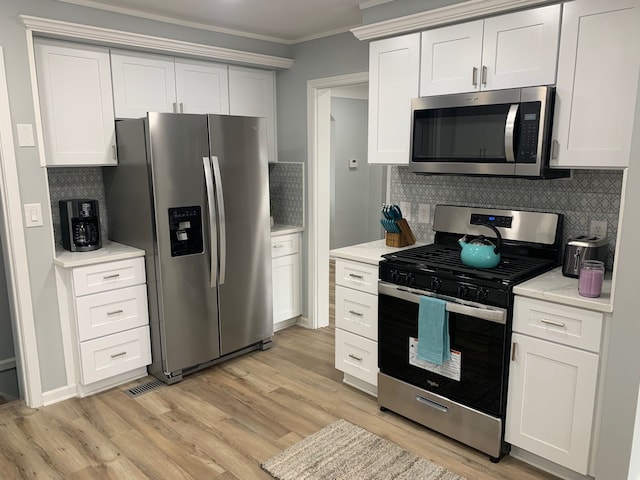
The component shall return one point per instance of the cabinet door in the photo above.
(451, 59)
(252, 93)
(394, 67)
(521, 49)
(597, 84)
(74, 86)
(550, 404)
(202, 87)
(286, 287)
(142, 83)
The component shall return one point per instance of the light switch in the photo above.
(25, 135)
(353, 163)
(33, 215)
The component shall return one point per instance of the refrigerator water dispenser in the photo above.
(185, 230)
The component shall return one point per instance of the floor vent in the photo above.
(144, 388)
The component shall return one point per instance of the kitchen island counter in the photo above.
(555, 287)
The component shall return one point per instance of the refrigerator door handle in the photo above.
(213, 240)
(221, 217)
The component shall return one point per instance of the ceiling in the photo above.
(283, 21)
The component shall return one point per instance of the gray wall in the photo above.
(326, 57)
(356, 194)
(32, 177)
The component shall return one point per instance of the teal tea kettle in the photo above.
(480, 252)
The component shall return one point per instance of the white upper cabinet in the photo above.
(74, 88)
(142, 83)
(252, 93)
(508, 51)
(597, 84)
(394, 69)
(201, 87)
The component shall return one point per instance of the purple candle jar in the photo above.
(590, 279)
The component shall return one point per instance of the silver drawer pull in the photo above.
(432, 404)
(353, 275)
(357, 314)
(111, 277)
(115, 312)
(279, 246)
(116, 355)
(552, 322)
(355, 358)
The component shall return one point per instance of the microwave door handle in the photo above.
(211, 207)
(509, 132)
(221, 217)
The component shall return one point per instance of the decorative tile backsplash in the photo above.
(286, 192)
(587, 195)
(76, 182)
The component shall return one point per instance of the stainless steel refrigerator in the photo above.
(192, 191)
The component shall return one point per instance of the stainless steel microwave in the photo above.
(496, 133)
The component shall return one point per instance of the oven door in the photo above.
(476, 374)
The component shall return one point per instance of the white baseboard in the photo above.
(7, 364)
(304, 322)
(546, 465)
(59, 394)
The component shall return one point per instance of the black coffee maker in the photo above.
(80, 224)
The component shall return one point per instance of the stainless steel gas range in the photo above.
(465, 396)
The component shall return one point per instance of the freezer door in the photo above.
(187, 299)
(239, 161)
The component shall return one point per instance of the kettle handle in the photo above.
(498, 237)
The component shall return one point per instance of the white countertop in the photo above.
(555, 287)
(279, 229)
(110, 251)
(369, 252)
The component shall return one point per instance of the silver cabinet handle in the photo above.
(114, 153)
(115, 312)
(553, 322)
(357, 314)
(355, 357)
(484, 75)
(111, 277)
(432, 404)
(474, 76)
(555, 147)
(280, 245)
(116, 355)
(175, 107)
(513, 351)
(353, 275)
(181, 107)
(213, 234)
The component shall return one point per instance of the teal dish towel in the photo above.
(433, 330)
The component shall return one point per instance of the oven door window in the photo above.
(460, 134)
(481, 344)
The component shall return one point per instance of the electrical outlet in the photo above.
(598, 228)
(424, 212)
(406, 210)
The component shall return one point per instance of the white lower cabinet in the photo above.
(356, 349)
(105, 305)
(285, 269)
(553, 379)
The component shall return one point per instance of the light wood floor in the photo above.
(217, 424)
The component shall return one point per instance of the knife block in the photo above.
(403, 239)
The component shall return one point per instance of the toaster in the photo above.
(582, 248)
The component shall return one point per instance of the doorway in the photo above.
(319, 192)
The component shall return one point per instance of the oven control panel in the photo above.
(495, 220)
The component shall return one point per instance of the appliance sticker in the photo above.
(449, 368)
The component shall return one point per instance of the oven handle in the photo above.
(482, 312)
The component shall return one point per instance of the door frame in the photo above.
(15, 256)
(318, 179)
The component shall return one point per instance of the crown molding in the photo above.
(67, 30)
(441, 16)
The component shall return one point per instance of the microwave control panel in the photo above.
(529, 126)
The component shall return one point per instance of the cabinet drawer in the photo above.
(357, 356)
(285, 245)
(114, 354)
(110, 312)
(575, 327)
(357, 312)
(108, 276)
(361, 276)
